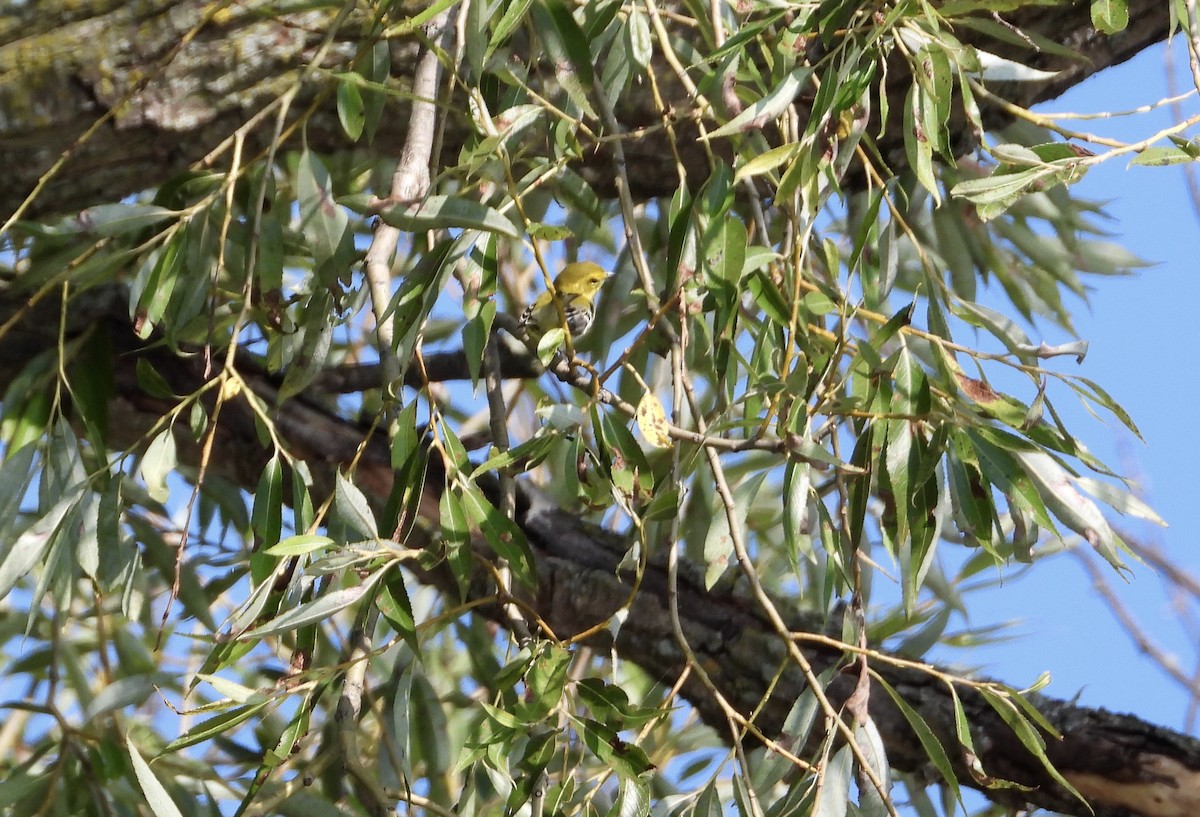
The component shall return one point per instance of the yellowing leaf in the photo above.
(652, 421)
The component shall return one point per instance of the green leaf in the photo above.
(997, 323)
(267, 516)
(610, 704)
(26, 415)
(873, 801)
(1120, 500)
(150, 381)
(456, 533)
(1094, 391)
(430, 738)
(550, 343)
(301, 499)
(377, 71)
(859, 488)
(917, 145)
(307, 349)
(437, 212)
(971, 496)
(416, 296)
(313, 612)
(999, 188)
(157, 798)
(410, 460)
(641, 44)
(16, 474)
(797, 490)
(475, 335)
(1069, 506)
(618, 67)
(1110, 16)
(299, 545)
(545, 680)
(1161, 156)
(718, 542)
(994, 68)
(771, 105)
(353, 508)
(929, 741)
(408, 25)
(633, 798)
(768, 298)
(18, 786)
(120, 219)
(324, 223)
(394, 604)
(550, 232)
(833, 796)
(1189, 146)
(726, 252)
(476, 36)
(1015, 154)
(1028, 736)
(216, 726)
(626, 759)
(766, 162)
(514, 13)
(574, 43)
(502, 534)
(935, 78)
(158, 463)
(350, 108)
(532, 453)
(833, 16)
(749, 30)
(998, 463)
(31, 546)
(271, 253)
(155, 298)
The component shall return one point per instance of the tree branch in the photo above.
(169, 117)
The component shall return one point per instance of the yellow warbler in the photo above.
(575, 288)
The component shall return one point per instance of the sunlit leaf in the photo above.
(157, 798)
(438, 212)
(119, 219)
(314, 611)
(157, 464)
(771, 105)
(354, 510)
(350, 109)
(1110, 16)
(719, 542)
(929, 741)
(216, 726)
(299, 545)
(324, 223)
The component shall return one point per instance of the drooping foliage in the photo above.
(260, 520)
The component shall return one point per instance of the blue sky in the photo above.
(1144, 338)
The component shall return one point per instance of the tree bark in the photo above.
(1124, 766)
(174, 83)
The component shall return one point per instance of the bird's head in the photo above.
(581, 278)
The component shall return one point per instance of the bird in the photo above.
(575, 289)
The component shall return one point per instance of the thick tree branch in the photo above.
(173, 104)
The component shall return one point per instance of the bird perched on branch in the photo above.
(575, 289)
